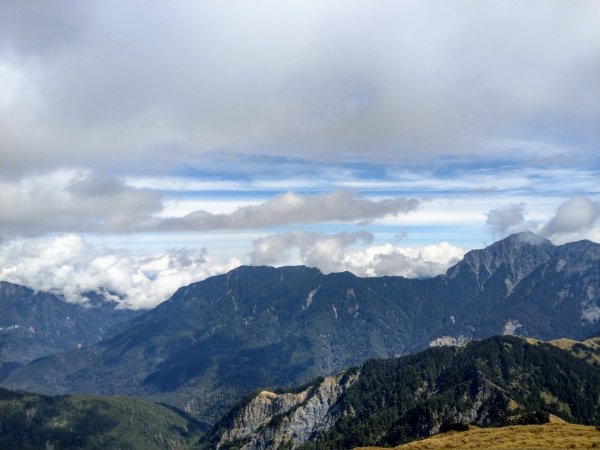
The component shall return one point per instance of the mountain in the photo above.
(217, 340)
(30, 421)
(494, 382)
(35, 324)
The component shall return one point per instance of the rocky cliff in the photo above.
(270, 420)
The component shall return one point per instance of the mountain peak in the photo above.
(519, 253)
(525, 237)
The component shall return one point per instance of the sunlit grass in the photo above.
(551, 436)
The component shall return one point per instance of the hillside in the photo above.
(587, 350)
(549, 436)
(30, 421)
(258, 327)
(34, 324)
(494, 382)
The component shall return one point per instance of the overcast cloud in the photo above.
(109, 84)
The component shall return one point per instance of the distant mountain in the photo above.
(29, 421)
(217, 340)
(35, 324)
(494, 382)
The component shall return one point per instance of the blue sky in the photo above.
(146, 148)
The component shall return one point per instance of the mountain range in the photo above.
(215, 341)
(34, 324)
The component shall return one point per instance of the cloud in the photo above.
(292, 208)
(73, 201)
(82, 201)
(503, 221)
(69, 266)
(511, 327)
(98, 83)
(410, 262)
(341, 251)
(575, 215)
(322, 250)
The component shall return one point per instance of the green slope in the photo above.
(29, 421)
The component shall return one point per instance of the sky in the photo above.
(148, 145)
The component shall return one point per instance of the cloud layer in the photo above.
(99, 84)
(69, 266)
(336, 252)
(292, 208)
(81, 201)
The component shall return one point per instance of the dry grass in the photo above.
(564, 343)
(588, 355)
(551, 436)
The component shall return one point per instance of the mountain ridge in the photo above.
(216, 340)
(497, 381)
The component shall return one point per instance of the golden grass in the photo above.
(551, 436)
(564, 343)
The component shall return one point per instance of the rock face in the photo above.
(258, 327)
(35, 324)
(303, 415)
(494, 382)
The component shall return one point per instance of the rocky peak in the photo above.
(519, 254)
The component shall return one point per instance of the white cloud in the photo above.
(292, 208)
(338, 252)
(410, 262)
(322, 250)
(511, 327)
(69, 266)
(573, 217)
(80, 200)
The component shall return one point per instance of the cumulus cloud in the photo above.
(503, 221)
(574, 216)
(97, 82)
(410, 262)
(322, 250)
(71, 267)
(82, 201)
(345, 251)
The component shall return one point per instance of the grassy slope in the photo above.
(30, 421)
(554, 435)
(588, 350)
